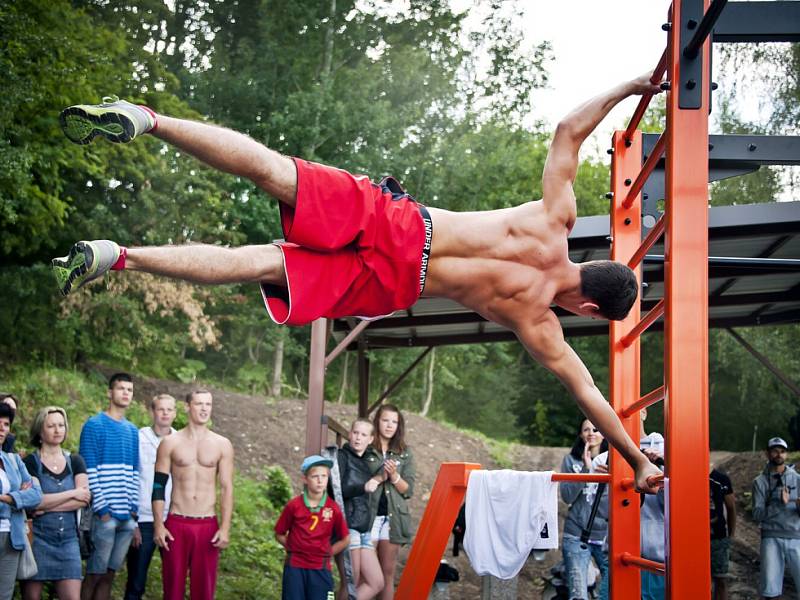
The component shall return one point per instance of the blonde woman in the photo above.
(65, 489)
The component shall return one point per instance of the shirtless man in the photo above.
(356, 248)
(191, 538)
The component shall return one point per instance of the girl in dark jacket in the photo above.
(358, 461)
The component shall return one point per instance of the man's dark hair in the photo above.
(6, 412)
(119, 377)
(190, 396)
(610, 285)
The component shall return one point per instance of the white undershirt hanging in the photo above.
(508, 514)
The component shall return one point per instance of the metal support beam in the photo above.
(702, 30)
(342, 346)
(399, 380)
(363, 379)
(686, 328)
(316, 388)
(623, 523)
(779, 375)
(759, 22)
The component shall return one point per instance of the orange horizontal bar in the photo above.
(651, 317)
(627, 483)
(658, 73)
(637, 561)
(591, 477)
(652, 237)
(655, 396)
(647, 168)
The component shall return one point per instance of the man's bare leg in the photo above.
(233, 152)
(207, 264)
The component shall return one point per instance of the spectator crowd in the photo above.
(71, 520)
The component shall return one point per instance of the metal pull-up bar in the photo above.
(647, 168)
(706, 25)
(651, 317)
(652, 237)
(658, 73)
(637, 561)
(647, 400)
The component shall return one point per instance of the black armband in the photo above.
(160, 485)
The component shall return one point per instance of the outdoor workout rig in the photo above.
(684, 307)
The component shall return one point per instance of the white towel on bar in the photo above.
(508, 514)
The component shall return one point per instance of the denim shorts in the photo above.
(720, 556)
(111, 540)
(775, 554)
(380, 529)
(360, 540)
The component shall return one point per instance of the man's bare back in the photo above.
(503, 264)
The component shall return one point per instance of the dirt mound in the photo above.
(265, 432)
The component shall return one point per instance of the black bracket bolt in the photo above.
(666, 26)
(626, 502)
(609, 195)
(665, 85)
(752, 147)
(710, 147)
(627, 182)
(610, 151)
(645, 196)
(691, 84)
(627, 220)
(691, 24)
(714, 86)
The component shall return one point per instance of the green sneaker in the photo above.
(85, 262)
(116, 120)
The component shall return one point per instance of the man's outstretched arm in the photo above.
(545, 342)
(562, 159)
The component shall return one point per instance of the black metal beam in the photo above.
(759, 22)
(741, 151)
(701, 32)
(601, 328)
(772, 368)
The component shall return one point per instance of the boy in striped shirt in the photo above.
(110, 447)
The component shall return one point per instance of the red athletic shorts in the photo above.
(353, 248)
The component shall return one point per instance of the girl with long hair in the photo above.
(589, 442)
(392, 526)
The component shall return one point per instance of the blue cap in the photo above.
(313, 461)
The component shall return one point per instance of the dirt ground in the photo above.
(264, 433)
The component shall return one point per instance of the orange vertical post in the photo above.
(626, 232)
(434, 530)
(686, 329)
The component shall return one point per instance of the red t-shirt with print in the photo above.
(309, 543)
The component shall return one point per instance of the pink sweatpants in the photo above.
(191, 551)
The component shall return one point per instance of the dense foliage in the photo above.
(362, 85)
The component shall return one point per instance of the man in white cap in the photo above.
(776, 507)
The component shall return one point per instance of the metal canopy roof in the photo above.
(761, 288)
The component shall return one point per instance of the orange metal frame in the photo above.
(685, 389)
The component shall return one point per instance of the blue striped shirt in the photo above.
(111, 451)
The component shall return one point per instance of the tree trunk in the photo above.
(343, 389)
(428, 386)
(277, 369)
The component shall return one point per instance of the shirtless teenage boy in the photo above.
(356, 248)
(191, 537)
